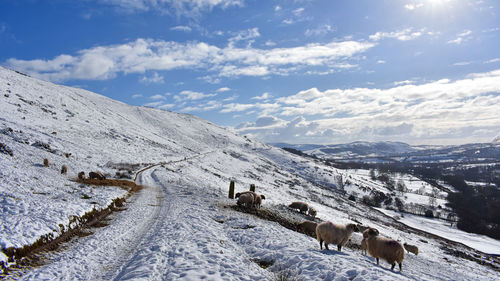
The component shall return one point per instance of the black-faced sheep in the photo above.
(335, 234)
(308, 227)
(411, 248)
(381, 247)
(311, 212)
(301, 206)
(96, 175)
(81, 175)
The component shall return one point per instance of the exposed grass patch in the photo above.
(125, 184)
(263, 263)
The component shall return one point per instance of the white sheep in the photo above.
(381, 247)
(411, 248)
(335, 234)
(301, 206)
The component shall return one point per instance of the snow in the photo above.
(179, 225)
(442, 228)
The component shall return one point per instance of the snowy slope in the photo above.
(177, 227)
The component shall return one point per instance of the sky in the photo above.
(297, 71)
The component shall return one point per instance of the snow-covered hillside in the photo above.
(179, 225)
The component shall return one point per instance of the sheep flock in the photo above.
(327, 232)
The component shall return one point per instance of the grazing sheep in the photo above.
(308, 227)
(46, 162)
(311, 212)
(381, 247)
(332, 233)
(238, 194)
(246, 199)
(96, 175)
(81, 175)
(411, 248)
(258, 200)
(64, 169)
(301, 206)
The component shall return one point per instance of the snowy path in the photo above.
(99, 255)
(164, 234)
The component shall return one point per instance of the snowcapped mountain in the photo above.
(181, 226)
(354, 149)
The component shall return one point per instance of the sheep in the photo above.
(332, 233)
(258, 200)
(238, 194)
(362, 228)
(308, 227)
(381, 247)
(96, 175)
(46, 162)
(246, 199)
(411, 248)
(311, 212)
(364, 246)
(250, 198)
(301, 206)
(64, 169)
(81, 175)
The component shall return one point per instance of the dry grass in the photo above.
(125, 184)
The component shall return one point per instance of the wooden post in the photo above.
(231, 190)
(252, 187)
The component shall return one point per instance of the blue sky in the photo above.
(418, 71)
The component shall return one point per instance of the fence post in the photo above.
(231, 190)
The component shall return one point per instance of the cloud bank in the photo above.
(445, 110)
(142, 55)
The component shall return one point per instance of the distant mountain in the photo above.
(354, 149)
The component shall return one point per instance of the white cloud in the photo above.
(401, 35)
(493, 60)
(105, 62)
(181, 28)
(191, 95)
(137, 96)
(462, 63)
(245, 35)
(405, 82)
(381, 61)
(277, 8)
(154, 79)
(264, 96)
(320, 31)
(270, 43)
(448, 111)
(413, 6)
(158, 97)
(461, 37)
(187, 8)
(223, 89)
(298, 12)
